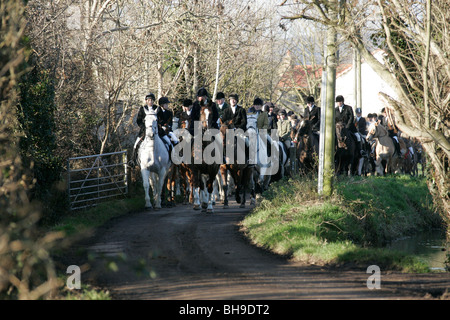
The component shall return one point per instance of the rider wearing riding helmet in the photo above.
(392, 129)
(203, 100)
(149, 105)
(312, 113)
(344, 114)
(165, 121)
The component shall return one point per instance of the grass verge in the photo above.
(80, 222)
(351, 227)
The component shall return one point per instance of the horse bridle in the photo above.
(341, 140)
(153, 132)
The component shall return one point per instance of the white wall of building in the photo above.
(371, 85)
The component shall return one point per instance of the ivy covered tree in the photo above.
(26, 268)
(35, 113)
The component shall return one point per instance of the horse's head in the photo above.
(341, 135)
(304, 128)
(223, 129)
(151, 125)
(205, 113)
(375, 130)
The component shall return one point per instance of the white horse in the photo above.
(264, 166)
(154, 161)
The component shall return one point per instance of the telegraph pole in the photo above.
(323, 105)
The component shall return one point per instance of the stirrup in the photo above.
(131, 164)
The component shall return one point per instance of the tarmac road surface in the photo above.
(181, 254)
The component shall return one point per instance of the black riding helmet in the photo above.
(150, 96)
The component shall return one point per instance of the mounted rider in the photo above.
(312, 112)
(235, 117)
(256, 117)
(184, 120)
(143, 110)
(284, 131)
(221, 104)
(344, 114)
(165, 120)
(361, 128)
(203, 100)
(392, 129)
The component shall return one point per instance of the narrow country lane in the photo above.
(178, 253)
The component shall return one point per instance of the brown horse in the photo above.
(242, 173)
(202, 174)
(307, 147)
(179, 177)
(346, 156)
(384, 149)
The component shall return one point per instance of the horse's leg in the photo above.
(178, 179)
(251, 185)
(360, 166)
(203, 193)
(265, 182)
(184, 183)
(196, 191)
(223, 176)
(169, 187)
(191, 188)
(171, 183)
(146, 181)
(157, 183)
(216, 192)
(242, 185)
(209, 191)
(161, 177)
(378, 165)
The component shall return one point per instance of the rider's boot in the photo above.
(132, 163)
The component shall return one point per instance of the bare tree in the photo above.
(416, 37)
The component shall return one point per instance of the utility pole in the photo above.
(358, 63)
(357, 72)
(323, 104)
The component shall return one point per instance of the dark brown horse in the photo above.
(307, 148)
(242, 173)
(345, 151)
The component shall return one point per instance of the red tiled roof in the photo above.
(297, 76)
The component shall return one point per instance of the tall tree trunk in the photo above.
(195, 71)
(160, 79)
(217, 62)
(328, 170)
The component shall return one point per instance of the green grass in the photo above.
(350, 227)
(79, 222)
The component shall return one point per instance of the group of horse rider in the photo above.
(260, 116)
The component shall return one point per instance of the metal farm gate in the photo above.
(94, 178)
